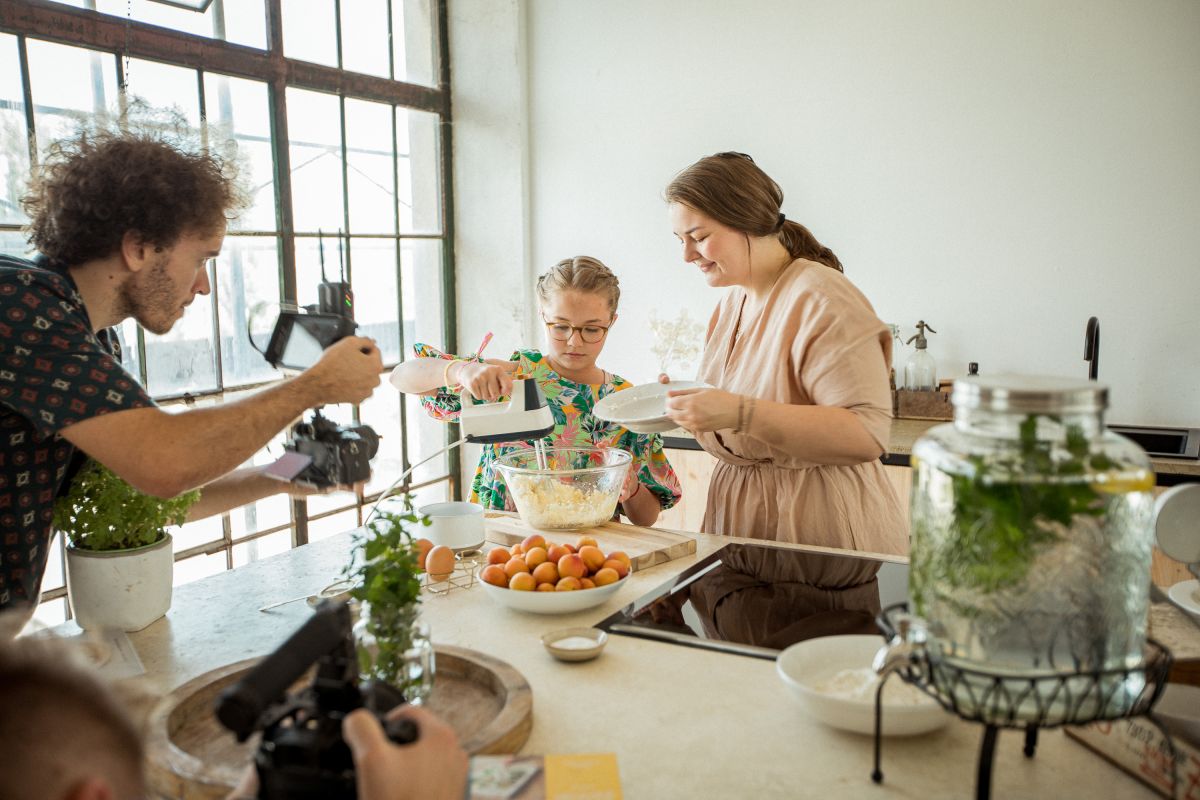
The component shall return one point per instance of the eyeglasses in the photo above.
(562, 332)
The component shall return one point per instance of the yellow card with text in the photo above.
(582, 776)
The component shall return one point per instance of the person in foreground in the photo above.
(66, 735)
(577, 299)
(802, 409)
(126, 224)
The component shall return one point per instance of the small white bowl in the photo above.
(642, 409)
(457, 525)
(553, 602)
(571, 644)
(807, 667)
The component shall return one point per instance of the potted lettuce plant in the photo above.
(120, 560)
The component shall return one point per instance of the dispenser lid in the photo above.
(1030, 394)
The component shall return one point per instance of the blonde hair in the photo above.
(730, 188)
(581, 274)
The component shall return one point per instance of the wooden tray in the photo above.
(191, 756)
(644, 546)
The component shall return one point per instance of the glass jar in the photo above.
(1032, 528)
(397, 650)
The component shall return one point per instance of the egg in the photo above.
(439, 563)
(423, 548)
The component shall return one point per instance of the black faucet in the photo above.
(1091, 347)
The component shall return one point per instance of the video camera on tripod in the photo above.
(302, 753)
(320, 452)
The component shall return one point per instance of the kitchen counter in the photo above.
(1169, 471)
(683, 722)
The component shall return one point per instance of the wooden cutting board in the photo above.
(644, 546)
(190, 756)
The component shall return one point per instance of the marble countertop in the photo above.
(683, 722)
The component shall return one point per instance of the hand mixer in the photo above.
(524, 416)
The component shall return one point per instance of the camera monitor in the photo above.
(299, 338)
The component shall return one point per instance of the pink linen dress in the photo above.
(816, 341)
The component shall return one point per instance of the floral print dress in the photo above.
(571, 404)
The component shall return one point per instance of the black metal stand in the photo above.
(1030, 701)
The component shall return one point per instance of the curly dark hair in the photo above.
(92, 189)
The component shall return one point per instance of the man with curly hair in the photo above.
(125, 225)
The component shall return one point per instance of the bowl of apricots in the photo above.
(546, 577)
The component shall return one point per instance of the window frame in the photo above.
(124, 38)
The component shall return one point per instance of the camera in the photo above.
(338, 455)
(319, 452)
(302, 753)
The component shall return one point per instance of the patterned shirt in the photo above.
(571, 404)
(54, 372)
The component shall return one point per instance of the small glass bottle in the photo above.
(1032, 528)
(920, 371)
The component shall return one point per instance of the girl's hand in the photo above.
(487, 381)
(703, 409)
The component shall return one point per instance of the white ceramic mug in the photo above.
(455, 524)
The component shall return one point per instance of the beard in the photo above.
(149, 298)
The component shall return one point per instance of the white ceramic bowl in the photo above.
(575, 644)
(455, 524)
(807, 667)
(642, 409)
(553, 602)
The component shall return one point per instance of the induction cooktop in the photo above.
(757, 599)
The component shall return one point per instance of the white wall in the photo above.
(1001, 170)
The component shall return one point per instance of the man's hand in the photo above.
(347, 372)
(488, 381)
(432, 768)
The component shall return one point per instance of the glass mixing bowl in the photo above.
(575, 487)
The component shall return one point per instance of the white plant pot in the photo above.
(124, 589)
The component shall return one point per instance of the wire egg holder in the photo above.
(466, 565)
(1039, 700)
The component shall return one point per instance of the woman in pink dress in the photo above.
(802, 409)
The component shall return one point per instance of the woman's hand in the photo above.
(703, 409)
(488, 380)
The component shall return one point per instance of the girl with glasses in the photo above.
(802, 409)
(577, 301)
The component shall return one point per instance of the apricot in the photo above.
(584, 541)
(546, 573)
(516, 550)
(587, 583)
(522, 582)
(498, 555)
(514, 565)
(545, 587)
(571, 566)
(534, 540)
(592, 556)
(535, 556)
(618, 555)
(439, 562)
(495, 575)
(606, 576)
(567, 585)
(423, 548)
(570, 548)
(621, 569)
(556, 551)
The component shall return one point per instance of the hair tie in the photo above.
(780, 221)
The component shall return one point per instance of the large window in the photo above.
(343, 153)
